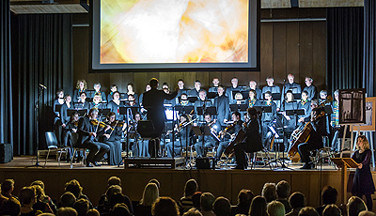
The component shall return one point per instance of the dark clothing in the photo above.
(290, 125)
(294, 87)
(230, 94)
(193, 93)
(226, 140)
(223, 108)
(240, 209)
(115, 108)
(213, 89)
(114, 143)
(141, 210)
(251, 143)
(135, 97)
(362, 182)
(102, 94)
(286, 203)
(98, 106)
(306, 106)
(80, 105)
(272, 89)
(201, 103)
(76, 94)
(56, 107)
(312, 92)
(209, 140)
(109, 97)
(258, 93)
(64, 113)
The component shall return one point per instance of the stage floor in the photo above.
(221, 182)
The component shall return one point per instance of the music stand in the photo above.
(276, 95)
(263, 109)
(297, 96)
(344, 163)
(81, 112)
(211, 110)
(202, 131)
(211, 95)
(58, 108)
(192, 99)
(104, 111)
(245, 94)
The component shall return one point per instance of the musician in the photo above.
(268, 118)
(251, 142)
(305, 104)
(273, 89)
(252, 99)
(181, 87)
(140, 99)
(131, 101)
(324, 97)
(130, 91)
(334, 123)
(97, 102)
(115, 105)
(209, 140)
(184, 100)
(166, 89)
(82, 103)
(221, 103)
(202, 102)
(318, 123)
(69, 135)
(139, 147)
(58, 102)
(310, 88)
(292, 86)
(87, 138)
(253, 86)
(215, 86)
(97, 88)
(113, 89)
(195, 92)
(153, 103)
(80, 87)
(232, 129)
(64, 110)
(234, 87)
(181, 137)
(111, 135)
(239, 98)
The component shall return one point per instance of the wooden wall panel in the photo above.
(279, 52)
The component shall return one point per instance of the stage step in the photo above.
(153, 162)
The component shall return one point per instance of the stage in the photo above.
(221, 182)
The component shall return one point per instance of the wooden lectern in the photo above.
(344, 163)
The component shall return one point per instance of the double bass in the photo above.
(240, 136)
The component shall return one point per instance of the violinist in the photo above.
(318, 122)
(209, 140)
(229, 133)
(69, 136)
(88, 127)
(180, 137)
(111, 135)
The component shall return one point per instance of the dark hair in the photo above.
(113, 180)
(329, 195)
(306, 92)
(58, 91)
(83, 93)
(198, 81)
(245, 197)
(196, 199)
(283, 189)
(222, 206)
(27, 195)
(153, 83)
(165, 206)
(67, 199)
(331, 210)
(269, 93)
(254, 92)
(190, 187)
(258, 206)
(206, 201)
(74, 187)
(308, 211)
(11, 207)
(81, 206)
(252, 112)
(7, 185)
(155, 181)
(120, 209)
(93, 110)
(236, 113)
(116, 198)
(297, 200)
(180, 80)
(355, 205)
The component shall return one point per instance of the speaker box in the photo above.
(6, 154)
(205, 163)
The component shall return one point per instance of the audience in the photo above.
(11, 207)
(275, 208)
(27, 199)
(66, 211)
(150, 194)
(186, 201)
(196, 200)
(93, 212)
(192, 212)
(206, 204)
(297, 202)
(308, 211)
(81, 206)
(329, 196)
(75, 188)
(67, 200)
(222, 207)
(244, 202)
(355, 205)
(43, 197)
(367, 213)
(7, 188)
(165, 206)
(269, 192)
(331, 210)
(120, 209)
(258, 206)
(283, 193)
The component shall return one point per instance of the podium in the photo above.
(344, 163)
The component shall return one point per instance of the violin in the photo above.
(224, 131)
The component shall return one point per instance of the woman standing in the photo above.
(363, 182)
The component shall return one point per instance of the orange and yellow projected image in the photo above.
(174, 31)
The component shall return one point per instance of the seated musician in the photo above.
(318, 123)
(253, 99)
(113, 89)
(97, 88)
(82, 103)
(249, 142)
(139, 146)
(209, 140)
(111, 135)
(289, 121)
(69, 136)
(202, 102)
(87, 138)
(97, 102)
(304, 104)
(115, 104)
(239, 98)
(180, 137)
(253, 86)
(221, 103)
(184, 100)
(267, 118)
(232, 129)
(130, 88)
(131, 101)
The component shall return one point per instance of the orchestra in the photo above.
(222, 110)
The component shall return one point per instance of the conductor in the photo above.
(153, 103)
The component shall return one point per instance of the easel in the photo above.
(344, 163)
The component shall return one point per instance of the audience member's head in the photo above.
(74, 187)
(81, 206)
(331, 210)
(66, 211)
(329, 195)
(275, 208)
(192, 212)
(165, 206)
(308, 211)
(7, 187)
(269, 191)
(46, 214)
(190, 187)
(222, 207)
(112, 190)
(355, 205)
(155, 181)
(11, 207)
(93, 212)
(150, 194)
(67, 199)
(206, 201)
(245, 197)
(27, 196)
(297, 200)
(120, 209)
(113, 180)
(117, 198)
(367, 213)
(38, 182)
(258, 206)
(39, 192)
(283, 189)
(196, 199)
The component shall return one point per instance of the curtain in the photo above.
(6, 121)
(344, 48)
(41, 54)
(369, 63)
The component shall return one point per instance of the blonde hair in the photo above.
(365, 142)
(78, 84)
(151, 193)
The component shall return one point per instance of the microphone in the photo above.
(42, 86)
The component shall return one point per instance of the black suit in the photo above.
(223, 108)
(97, 149)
